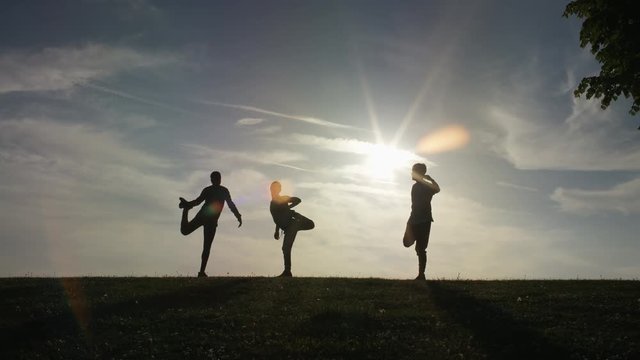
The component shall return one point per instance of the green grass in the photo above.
(230, 318)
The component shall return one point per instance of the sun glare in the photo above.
(383, 161)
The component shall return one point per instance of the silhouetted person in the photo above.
(421, 218)
(288, 220)
(214, 197)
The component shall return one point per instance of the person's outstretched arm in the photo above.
(234, 209)
(293, 201)
(196, 202)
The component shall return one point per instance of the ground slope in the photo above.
(228, 318)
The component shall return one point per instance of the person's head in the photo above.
(216, 178)
(418, 171)
(275, 189)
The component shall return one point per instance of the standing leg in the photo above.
(289, 237)
(426, 238)
(421, 232)
(209, 232)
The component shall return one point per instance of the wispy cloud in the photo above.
(63, 67)
(353, 146)
(268, 129)
(65, 142)
(623, 198)
(348, 187)
(306, 119)
(272, 157)
(69, 168)
(588, 139)
(516, 186)
(249, 121)
(126, 95)
(377, 163)
(540, 124)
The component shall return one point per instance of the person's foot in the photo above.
(202, 274)
(286, 274)
(183, 204)
(420, 277)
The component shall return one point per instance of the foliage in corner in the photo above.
(612, 28)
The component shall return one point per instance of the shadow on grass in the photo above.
(36, 330)
(499, 333)
(333, 323)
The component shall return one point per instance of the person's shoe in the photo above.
(183, 204)
(202, 274)
(286, 274)
(420, 277)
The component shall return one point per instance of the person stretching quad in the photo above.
(288, 220)
(214, 197)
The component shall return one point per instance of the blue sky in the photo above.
(111, 110)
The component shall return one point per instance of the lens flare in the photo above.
(445, 139)
(77, 301)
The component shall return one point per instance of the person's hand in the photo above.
(276, 235)
(239, 221)
(428, 177)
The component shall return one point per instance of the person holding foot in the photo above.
(214, 197)
(421, 217)
(288, 220)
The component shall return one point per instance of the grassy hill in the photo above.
(229, 318)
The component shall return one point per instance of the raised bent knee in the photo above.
(185, 230)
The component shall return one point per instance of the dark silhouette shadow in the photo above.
(214, 197)
(288, 220)
(502, 336)
(334, 323)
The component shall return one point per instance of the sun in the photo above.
(383, 161)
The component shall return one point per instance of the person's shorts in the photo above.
(421, 233)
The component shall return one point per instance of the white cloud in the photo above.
(347, 187)
(302, 118)
(541, 125)
(62, 68)
(70, 168)
(268, 129)
(380, 162)
(129, 96)
(588, 139)
(272, 157)
(249, 121)
(86, 198)
(28, 140)
(623, 198)
(516, 186)
(354, 146)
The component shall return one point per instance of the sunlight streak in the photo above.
(366, 92)
(434, 71)
(408, 118)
